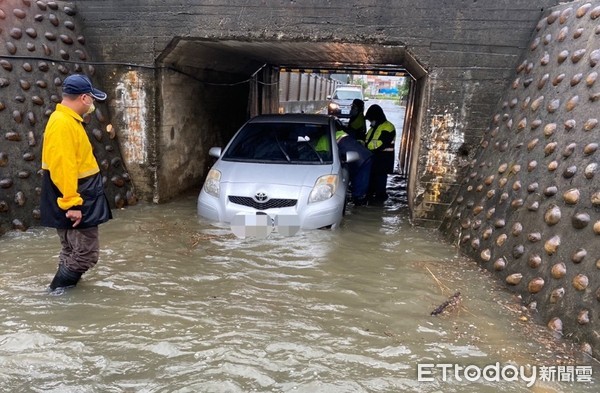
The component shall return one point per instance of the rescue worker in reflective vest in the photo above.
(359, 170)
(380, 140)
(357, 126)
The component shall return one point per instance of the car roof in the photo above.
(292, 118)
(349, 87)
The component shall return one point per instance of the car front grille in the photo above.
(270, 204)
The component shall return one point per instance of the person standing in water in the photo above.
(380, 140)
(72, 197)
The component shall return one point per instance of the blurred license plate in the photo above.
(345, 111)
(260, 225)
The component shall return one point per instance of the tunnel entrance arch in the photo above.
(210, 87)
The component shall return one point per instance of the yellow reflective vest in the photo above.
(374, 137)
(358, 127)
(323, 142)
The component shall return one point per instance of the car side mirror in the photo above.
(352, 156)
(215, 152)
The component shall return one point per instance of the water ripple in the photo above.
(178, 305)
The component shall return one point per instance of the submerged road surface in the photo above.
(181, 305)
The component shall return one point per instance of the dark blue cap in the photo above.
(81, 84)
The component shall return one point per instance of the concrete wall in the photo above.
(133, 107)
(191, 122)
(529, 205)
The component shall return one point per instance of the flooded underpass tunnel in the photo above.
(478, 274)
(209, 88)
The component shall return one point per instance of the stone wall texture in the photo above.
(529, 205)
(40, 44)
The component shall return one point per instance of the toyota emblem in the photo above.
(260, 197)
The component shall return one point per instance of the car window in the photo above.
(296, 143)
(348, 94)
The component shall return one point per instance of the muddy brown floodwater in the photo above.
(177, 304)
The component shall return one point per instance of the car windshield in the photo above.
(349, 94)
(296, 143)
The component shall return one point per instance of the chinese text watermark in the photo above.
(496, 372)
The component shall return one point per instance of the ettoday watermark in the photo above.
(496, 372)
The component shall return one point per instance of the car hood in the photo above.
(272, 174)
(343, 102)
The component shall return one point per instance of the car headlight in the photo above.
(333, 106)
(324, 188)
(212, 183)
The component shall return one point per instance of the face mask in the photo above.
(91, 109)
(373, 123)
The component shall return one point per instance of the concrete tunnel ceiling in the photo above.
(246, 57)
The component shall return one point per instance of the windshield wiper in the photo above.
(315, 150)
(282, 149)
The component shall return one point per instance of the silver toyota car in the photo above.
(279, 168)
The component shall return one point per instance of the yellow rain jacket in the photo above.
(71, 176)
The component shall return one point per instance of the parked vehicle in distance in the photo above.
(280, 165)
(341, 100)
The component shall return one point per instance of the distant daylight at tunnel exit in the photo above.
(495, 141)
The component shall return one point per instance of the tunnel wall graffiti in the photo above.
(42, 43)
(529, 204)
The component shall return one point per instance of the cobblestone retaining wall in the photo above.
(40, 44)
(529, 205)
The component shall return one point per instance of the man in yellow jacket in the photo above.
(72, 198)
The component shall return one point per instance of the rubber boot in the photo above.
(64, 278)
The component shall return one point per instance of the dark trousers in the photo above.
(359, 180)
(378, 184)
(80, 248)
(383, 163)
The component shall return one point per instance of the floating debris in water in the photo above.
(449, 305)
